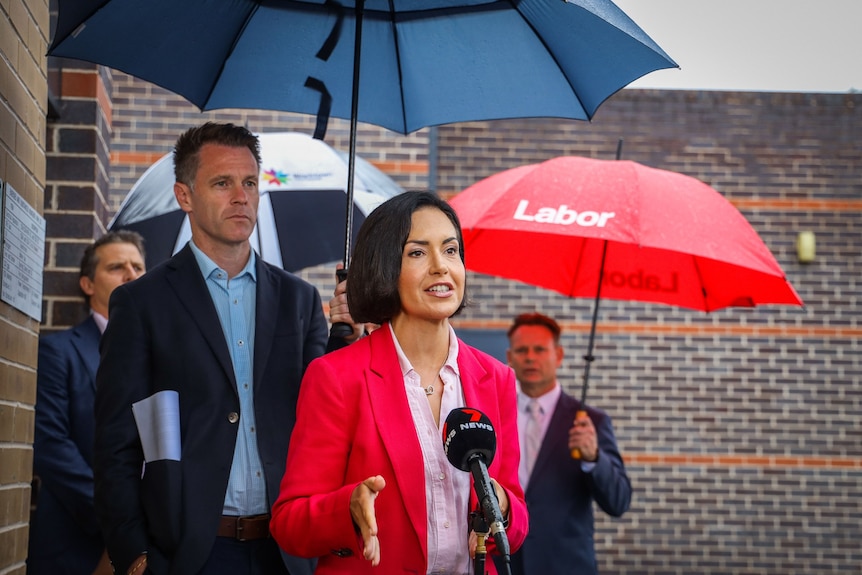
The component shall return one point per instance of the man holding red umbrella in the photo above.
(559, 489)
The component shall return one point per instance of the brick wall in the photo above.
(740, 428)
(148, 119)
(77, 191)
(23, 106)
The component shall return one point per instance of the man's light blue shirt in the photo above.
(235, 302)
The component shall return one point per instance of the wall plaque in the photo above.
(23, 254)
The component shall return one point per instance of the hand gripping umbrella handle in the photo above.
(341, 329)
(576, 453)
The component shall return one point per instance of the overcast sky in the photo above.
(754, 45)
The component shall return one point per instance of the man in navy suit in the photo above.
(64, 535)
(228, 336)
(559, 489)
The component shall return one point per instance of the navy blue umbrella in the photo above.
(423, 62)
(400, 64)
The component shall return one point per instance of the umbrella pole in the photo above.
(589, 357)
(342, 329)
(354, 111)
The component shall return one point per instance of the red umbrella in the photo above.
(621, 230)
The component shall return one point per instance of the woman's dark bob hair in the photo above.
(372, 287)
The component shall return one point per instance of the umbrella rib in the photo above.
(393, 16)
(702, 285)
(57, 41)
(575, 276)
(514, 4)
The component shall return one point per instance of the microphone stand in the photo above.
(489, 512)
(480, 527)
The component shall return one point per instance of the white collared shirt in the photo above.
(235, 301)
(101, 321)
(447, 489)
(548, 403)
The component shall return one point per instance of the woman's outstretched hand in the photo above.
(362, 511)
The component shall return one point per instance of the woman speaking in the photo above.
(368, 487)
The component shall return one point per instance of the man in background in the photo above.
(64, 534)
(559, 489)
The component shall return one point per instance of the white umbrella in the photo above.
(301, 213)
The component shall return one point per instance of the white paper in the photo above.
(158, 421)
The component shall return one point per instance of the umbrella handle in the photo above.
(576, 453)
(341, 329)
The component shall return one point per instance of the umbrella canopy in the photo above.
(301, 212)
(422, 63)
(621, 230)
(666, 237)
(419, 63)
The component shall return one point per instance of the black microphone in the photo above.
(470, 443)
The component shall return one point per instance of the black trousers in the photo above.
(232, 557)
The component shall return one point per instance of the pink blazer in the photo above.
(353, 421)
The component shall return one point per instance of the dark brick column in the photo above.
(77, 186)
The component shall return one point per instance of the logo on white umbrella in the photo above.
(278, 178)
(275, 177)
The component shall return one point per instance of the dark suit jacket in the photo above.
(354, 422)
(64, 533)
(560, 497)
(164, 334)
